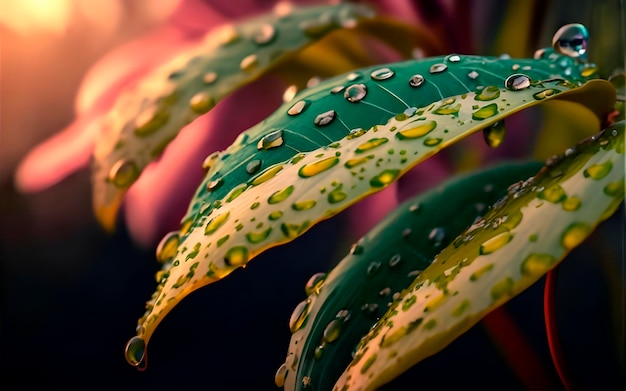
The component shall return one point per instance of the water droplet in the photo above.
(394, 260)
(275, 215)
(598, 171)
(201, 103)
(494, 134)
(332, 331)
(355, 92)
(325, 118)
(266, 175)
(337, 89)
(336, 196)
(502, 288)
(150, 120)
(298, 107)
(304, 205)
(281, 375)
(299, 315)
(373, 268)
(485, 112)
(384, 292)
(356, 249)
(371, 144)
(249, 63)
(209, 77)
(453, 58)
(384, 178)
(314, 284)
(495, 243)
(236, 256)
(437, 236)
(135, 351)
(438, 68)
(352, 76)
(537, 264)
(473, 75)
(571, 203)
(545, 93)
(517, 81)
(312, 169)
(214, 185)
(292, 231)
(123, 173)
(432, 141)
(280, 195)
(480, 272)
(416, 80)
(265, 34)
(574, 234)
(253, 166)
(553, 194)
(571, 40)
(488, 93)
(167, 247)
(417, 131)
(215, 223)
(271, 140)
(446, 108)
(316, 28)
(258, 237)
(382, 74)
(209, 161)
(319, 351)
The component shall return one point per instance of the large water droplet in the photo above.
(485, 112)
(265, 34)
(253, 166)
(494, 134)
(382, 74)
(488, 93)
(325, 118)
(215, 223)
(438, 68)
(298, 107)
(311, 169)
(416, 80)
(371, 144)
(355, 93)
(167, 247)
(271, 140)
(417, 131)
(517, 82)
(332, 331)
(314, 284)
(135, 351)
(299, 315)
(281, 375)
(598, 171)
(123, 173)
(571, 40)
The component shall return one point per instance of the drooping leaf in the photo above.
(148, 116)
(264, 191)
(519, 240)
(342, 306)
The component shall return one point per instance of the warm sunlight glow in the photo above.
(35, 16)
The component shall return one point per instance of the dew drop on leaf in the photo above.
(517, 82)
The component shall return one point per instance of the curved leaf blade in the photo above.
(524, 236)
(147, 117)
(284, 202)
(347, 302)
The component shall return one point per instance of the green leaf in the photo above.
(264, 190)
(519, 240)
(147, 117)
(343, 306)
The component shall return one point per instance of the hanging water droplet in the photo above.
(494, 134)
(437, 236)
(314, 284)
(135, 351)
(571, 40)
(473, 75)
(355, 92)
(290, 92)
(517, 82)
(209, 77)
(123, 173)
(416, 80)
(298, 107)
(271, 140)
(281, 375)
(253, 166)
(265, 34)
(325, 118)
(438, 68)
(382, 74)
(299, 315)
(249, 63)
(167, 247)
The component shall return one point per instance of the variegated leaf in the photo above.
(519, 240)
(344, 305)
(237, 215)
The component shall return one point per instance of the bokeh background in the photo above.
(71, 293)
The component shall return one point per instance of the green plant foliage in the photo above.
(265, 190)
(147, 117)
(495, 259)
(343, 306)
